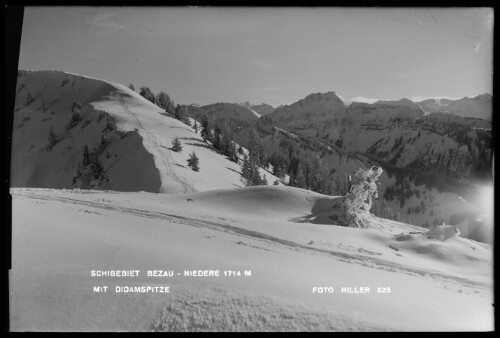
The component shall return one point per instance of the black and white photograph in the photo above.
(229, 169)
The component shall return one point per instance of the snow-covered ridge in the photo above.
(345, 101)
(366, 99)
(130, 112)
(437, 99)
(249, 108)
(133, 112)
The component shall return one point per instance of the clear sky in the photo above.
(271, 55)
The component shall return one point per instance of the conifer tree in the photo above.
(254, 148)
(52, 139)
(205, 129)
(193, 162)
(217, 141)
(254, 173)
(110, 126)
(86, 156)
(232, 155)
(170, 106)
(29, 99)
(176, 145)
(78, 174)
(263, 180)
(300, 179)
(104, 143)
(245, 168)
(178, 113)
(195, 127)
(96, 168)
(73, 122)
(307, 175)
(164, 101)
(147, 94)
(226, 139)
(76, 106)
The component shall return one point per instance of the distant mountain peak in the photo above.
(479, 106)
(338, 100)
(483, 97)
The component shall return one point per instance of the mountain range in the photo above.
(103, 186)
(433, 152)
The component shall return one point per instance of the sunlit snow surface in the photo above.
(279, 233)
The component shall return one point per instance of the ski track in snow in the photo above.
(367, 261)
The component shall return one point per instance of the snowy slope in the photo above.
(53, 96)
(132, 113)
(279, 233)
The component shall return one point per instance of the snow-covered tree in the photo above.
(358, 201)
